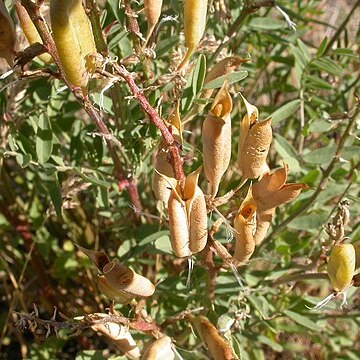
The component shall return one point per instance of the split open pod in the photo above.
(152, 12)
(216, 139)
(160, 349)
(254, 143)
(187, 216)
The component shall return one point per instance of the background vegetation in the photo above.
(59, 186)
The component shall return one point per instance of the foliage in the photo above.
(60, 187)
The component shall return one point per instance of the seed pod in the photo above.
(244, 226)
(216, 139)
(223, 67)
(187, 217)
(218, 346)
(30, 30)
(254, 143)
(160, 349)
(118, 335)
(113, 294)
(162, 165)
(194, 26)
(263, 222)
(357, 253)
(152, 12)
(71, 35)
(122, 278)
(341, 266)
(7, 35)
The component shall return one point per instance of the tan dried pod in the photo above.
(153, 13)
(187, 217)
(118, 335)
(122, 278)
(7, 35)
(223, 67)
(117, 295)
(99, 258)
(160, 349)
(270, 192)
(30, 30)
(216, 139)
(160, 185)
(218, 346)
(254, 143)
(244, 225)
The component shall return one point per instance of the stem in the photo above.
(324, 178)
(248, 8)
(300, 277)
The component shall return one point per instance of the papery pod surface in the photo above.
(30, 31)
(119, 336)
(263, 222)
(117, 295)
(121, 277)
(341, 266)
(159, 349)
(216, 139)
(7, 35)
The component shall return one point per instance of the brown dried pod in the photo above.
(30, 30)
(162, 165)
(160, 349)
(216, 139)
(223, 67)
(244, 225)
(7, 35)
(254, 143)
(153, 13)
(118, 335)
(270, 192)
(187, 217)
(218, 346)
(117, 295)
(99, 258)
(120, 277)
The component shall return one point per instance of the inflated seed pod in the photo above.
(65, 34)
(216, 139)
(254, 143)
(357, 253)
(117, 295)
(194, 26)
(118, 335)
(187, 217)
(263, 222)
(122, 278)
(160, 349)
(223, 67)
(244, 226)
(30, 30)
(7, 35)
(218, 346)
(341, 266)
(152, 13)
(160, 185)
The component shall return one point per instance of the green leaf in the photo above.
(55, 194)
(320, 156)
(199, 74)
(322, 47)
(285, 111)
(308, 222)
(300, 58)
(267, 341)
(287, 152)
(260, 304)
(302, 320)
(260, 23)
(328, 65)
(345, 52)
(44, 139)
(232, 78)
(317, 83)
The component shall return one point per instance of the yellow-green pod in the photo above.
(153, 13)
(216, 139)
(341, 266)
(357, 253)
(117, 295)
(160, 349)
(7, 35)
(218, 346)
(119, 336)
(194, 26)
(30, 30)
(68, 44)
(125, 279)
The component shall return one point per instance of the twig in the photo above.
(324, 178)
(300, 277)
